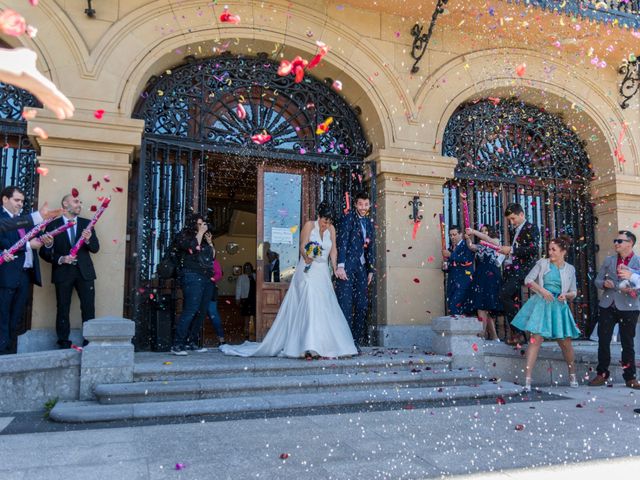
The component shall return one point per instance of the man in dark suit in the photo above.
(356, 266)
(69, 272)
(18, 271)
(520, 258)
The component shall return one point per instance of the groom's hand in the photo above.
(369, 278)
(341, 273)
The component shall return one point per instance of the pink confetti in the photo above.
(12, 23)
(180, 466)
(337, 85)
(42, 171)
(241, 112)
(98, 114)
(474, 347)
(227, 17)
(260, 138)
(521, 69)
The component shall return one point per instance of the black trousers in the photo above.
(511, 295)
(86, 294)
(12, 303)
(607, 321)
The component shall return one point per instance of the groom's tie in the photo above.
(363, 225)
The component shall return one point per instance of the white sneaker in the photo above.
(179, 351)
(573, 381)
(527, 384)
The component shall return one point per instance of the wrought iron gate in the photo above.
(509, 151)
(18, 160)
(191, 120)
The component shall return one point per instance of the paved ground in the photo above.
(570, 426)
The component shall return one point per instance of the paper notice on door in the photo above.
(281, 236)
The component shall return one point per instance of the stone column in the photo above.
(410, 281)
(77, 149)
(108, 358)
(458, 337)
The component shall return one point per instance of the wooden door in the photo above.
(286, 200)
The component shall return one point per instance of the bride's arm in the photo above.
(333, 254)
(304, 239)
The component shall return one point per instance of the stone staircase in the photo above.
(214, 385)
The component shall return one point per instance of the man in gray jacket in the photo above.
(619, 304)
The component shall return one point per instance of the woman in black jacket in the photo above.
(195, 246)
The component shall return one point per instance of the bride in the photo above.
(310, 322)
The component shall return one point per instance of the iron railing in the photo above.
(623, 13)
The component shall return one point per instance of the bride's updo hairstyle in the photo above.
(324, 211)
(563, 242)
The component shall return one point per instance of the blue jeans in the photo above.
(216, 321)
(196, 293)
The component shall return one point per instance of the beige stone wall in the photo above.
(104, 63)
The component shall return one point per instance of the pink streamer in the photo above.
(490, 245)
(29, 236)
(465, 212)
(94, 220)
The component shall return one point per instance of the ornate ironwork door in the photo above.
(193, 118)
(509, 151)
(18, 161)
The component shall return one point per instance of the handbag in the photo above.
(169, 265)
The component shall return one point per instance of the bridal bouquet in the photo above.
(313, 250)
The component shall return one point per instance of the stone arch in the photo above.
(548, 84)
(354, 59)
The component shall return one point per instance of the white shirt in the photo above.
(509, 260)
(243, 285)
(68, 232)
(28, 256)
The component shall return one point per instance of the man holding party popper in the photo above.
(70, 271)
(19, 268)
(519, 259)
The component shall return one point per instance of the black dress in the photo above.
(248, 305)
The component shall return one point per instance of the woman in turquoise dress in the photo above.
(547, 314)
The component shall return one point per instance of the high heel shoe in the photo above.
(573, 380)
(527, 384)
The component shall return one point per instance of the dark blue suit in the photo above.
(15, 284)
(352, 293)
(460, 275)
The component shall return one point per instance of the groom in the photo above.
(356, 265)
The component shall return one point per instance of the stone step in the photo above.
(166, 367)
(242, 386)
(273, 404)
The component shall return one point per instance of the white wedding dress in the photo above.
(309, 319)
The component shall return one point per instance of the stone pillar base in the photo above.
(108, 358)
(405, 336)
(458, 337)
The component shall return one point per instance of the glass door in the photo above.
(285, 203)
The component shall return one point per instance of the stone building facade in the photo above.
(476, 52)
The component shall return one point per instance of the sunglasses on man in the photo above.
(620, 240)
